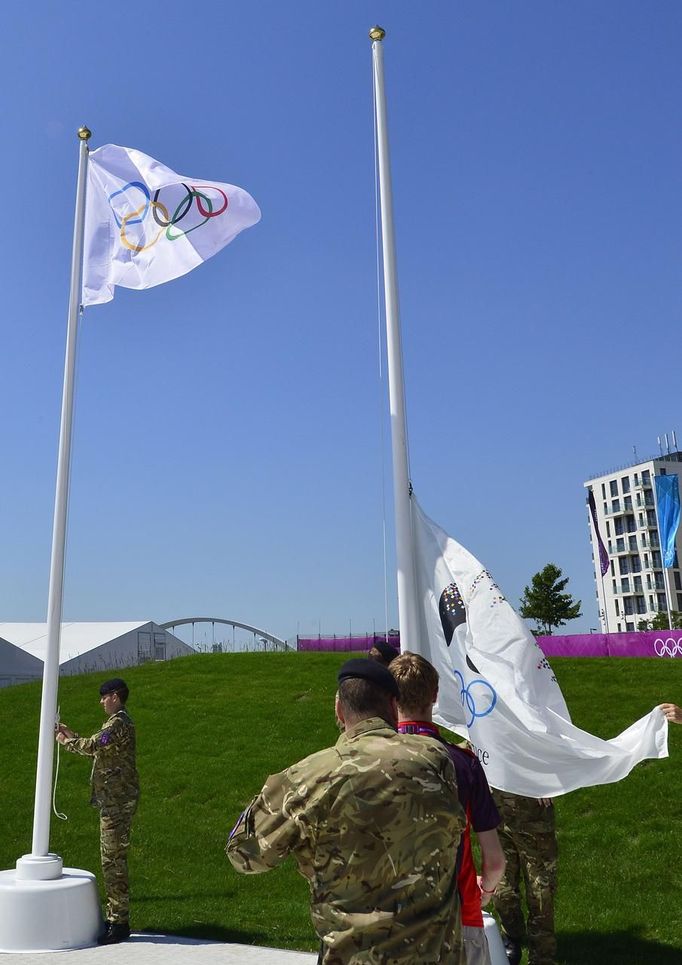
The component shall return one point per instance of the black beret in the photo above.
(112, 686)
(386, 650)
(363, 669)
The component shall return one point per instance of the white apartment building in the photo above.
(634, 586)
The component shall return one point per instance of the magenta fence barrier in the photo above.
(664, 644)
(357, 643)
(645, 643)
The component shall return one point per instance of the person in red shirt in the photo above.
(418, 685)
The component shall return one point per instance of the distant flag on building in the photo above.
(498, 689)
(145, 224)
(668, 507)
(603, 555)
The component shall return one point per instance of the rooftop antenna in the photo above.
(667, 447)
(634, 449)
(660, 447)
(674, 441)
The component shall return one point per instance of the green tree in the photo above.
(660, 621)
(546, 602)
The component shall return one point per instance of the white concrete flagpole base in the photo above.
(498, 956)
(47, 908)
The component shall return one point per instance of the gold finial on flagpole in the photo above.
(377, 33)
(84, 133)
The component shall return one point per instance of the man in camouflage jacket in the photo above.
(115, 792)
(528, 838)
(371, 823)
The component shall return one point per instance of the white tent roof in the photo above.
(76, 639)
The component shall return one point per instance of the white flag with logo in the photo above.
(145, 224)
(497, 688)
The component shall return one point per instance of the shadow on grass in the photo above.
(204, 933)
(614, 948)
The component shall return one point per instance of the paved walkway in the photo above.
(165, 950)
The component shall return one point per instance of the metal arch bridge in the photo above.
(277, 642)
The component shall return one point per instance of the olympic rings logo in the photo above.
(135, 203)
(667, 648)
(484, 692)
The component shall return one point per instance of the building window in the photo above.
(658, 581)
(608, 528)
(623, 565)
(610, 549)
(617, 608)
(635, 564)
(641, 606)
(620, 545)
(615, 505)
(159, 646)
(619, 526)
(628, 606)
(625, 585)
(613, 583)
(603, 490)
(627, 504)
(613, 568)
(625, 484)
(629, 627)
(632, 543)
(144, 646)
(630, 521)
(678, 580)
(656, 559)
(636, 479)
(646, 478)
(619, 628)
(613, 487)
(651, 519)
(637, 583)
(648, 581)
(679, 601)
(661, 601)
(652, 604)
(646, 561)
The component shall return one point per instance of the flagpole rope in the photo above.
(57, 814)
(380, 348)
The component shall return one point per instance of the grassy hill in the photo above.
(212, 727)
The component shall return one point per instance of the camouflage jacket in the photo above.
(371, 823)
(114, 777)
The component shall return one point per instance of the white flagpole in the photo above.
(48, 707)
(407, 597)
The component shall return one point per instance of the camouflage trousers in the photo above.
(114, 841)
(531, 854)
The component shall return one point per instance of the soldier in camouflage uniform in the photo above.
(370, 822)
(115, 792)
(528, 838)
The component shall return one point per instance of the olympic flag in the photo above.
(497, 688)
(145, 224)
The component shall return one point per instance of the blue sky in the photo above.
(229, 456)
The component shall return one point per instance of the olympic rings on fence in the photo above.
(484, 691)
(668, 647)
(207, 207)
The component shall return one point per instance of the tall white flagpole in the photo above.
(51, 864)
(407, 596)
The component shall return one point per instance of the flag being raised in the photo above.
(145, 224)
(498, 689)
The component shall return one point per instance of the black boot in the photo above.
(512, 948)
(114, 933)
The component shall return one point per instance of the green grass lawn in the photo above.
(212, 727)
